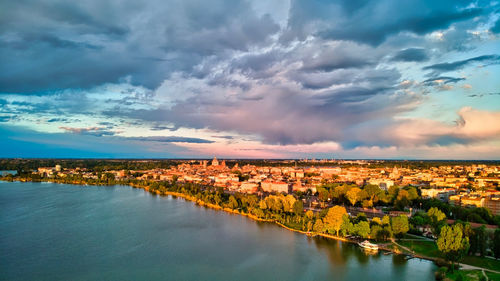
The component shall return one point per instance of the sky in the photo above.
(344, 79)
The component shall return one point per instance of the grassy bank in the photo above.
(429, 249)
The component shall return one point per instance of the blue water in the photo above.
(69, 232)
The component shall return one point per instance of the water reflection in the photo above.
(337, 254)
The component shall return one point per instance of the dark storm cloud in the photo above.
(288, 116)
(364, 22)
(411, 55)
(51, 46)
(318, 80)
(344, 55)
(451, 66)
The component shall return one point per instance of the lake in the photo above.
(70, 232)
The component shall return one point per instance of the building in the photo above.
(493, 203)
(249, 187)
(384, 184)
(274, 186)
(442, 194)
(215, 162)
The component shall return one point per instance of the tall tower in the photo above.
(215, 162)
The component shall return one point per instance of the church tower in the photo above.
(215, 162)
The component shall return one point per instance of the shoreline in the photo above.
(250, 216)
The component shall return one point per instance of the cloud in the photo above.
(157, 127)
(365, 22)
(456, 65)
(52, 120)
(55, 45)
(224, 137)
(341, 55)
(442, 80)
(92, 131)
(170, 139)
(290, 115)
(100, 132)
(411, 55)
(471, 126)
(296, 74)
(482, 95)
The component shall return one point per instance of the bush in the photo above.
(460, 277)
(441, 273)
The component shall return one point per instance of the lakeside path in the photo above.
(384, 247)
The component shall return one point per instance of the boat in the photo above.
(367, 245)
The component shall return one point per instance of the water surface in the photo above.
(69, 232)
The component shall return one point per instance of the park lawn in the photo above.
(467, 275)
(482, 262)
(408, 236)
(425, 248)
(429, 249)
(472, 275)
(493, 276)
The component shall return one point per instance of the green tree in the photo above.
(333, 219)
(496, 243)
(288, 203)
(353, 195)
(393, 192)
(437, 218)
(322, 194)
(377, 220)
(347, 227)
(319, 226)
(309, 215)
(298, 208)
(339, 192)
(233, 203)
(412, 193)
(309, 225)
(453, 243)
(478, 241)
(372, 191)
(400, 225)
(386, 220)
(262, 204)
(362, 229)
(374, 231)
